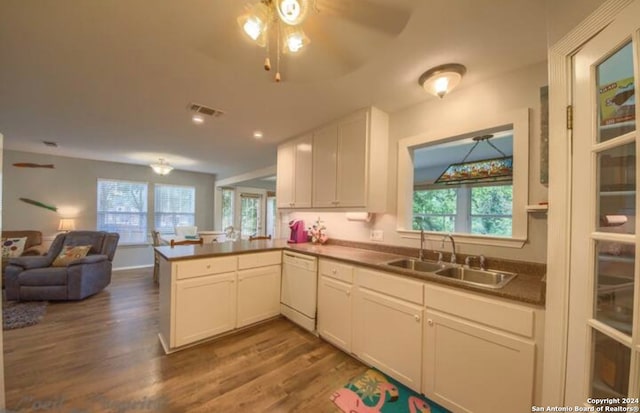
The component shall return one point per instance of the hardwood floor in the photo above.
(103, 355)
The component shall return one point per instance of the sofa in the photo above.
(48, 277)
(32, 246)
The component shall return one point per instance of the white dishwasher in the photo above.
(299, 293)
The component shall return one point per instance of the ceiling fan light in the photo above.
(292, 12)
(295, 40)
(254, 23)
(442, 79)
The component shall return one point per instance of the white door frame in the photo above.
(559, 215)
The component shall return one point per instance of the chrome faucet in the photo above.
(453, 247)
(421, 253)
(483, 262)
(467, 261)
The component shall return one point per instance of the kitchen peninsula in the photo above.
(211, 290)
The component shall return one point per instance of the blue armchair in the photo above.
(33, 278)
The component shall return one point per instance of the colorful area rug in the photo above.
(17, 314)
(373, 392)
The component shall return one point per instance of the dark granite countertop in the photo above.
(525, 288)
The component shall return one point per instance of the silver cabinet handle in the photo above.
(430, 322)
(417, 317)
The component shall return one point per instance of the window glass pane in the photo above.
(174, 205)
(491, 210)
(616, 95)
(617, 194)
(122, 208)
(250, 215)
(615, 268)
(227, 208)
(610, 369)
(435, 209)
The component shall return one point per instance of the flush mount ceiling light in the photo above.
(281, 19)
(441, 80)
(162, 167)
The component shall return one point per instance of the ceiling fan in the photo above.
(311, 39)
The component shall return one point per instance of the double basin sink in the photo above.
(482, 278)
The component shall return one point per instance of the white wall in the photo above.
(563, 15)
(471, 105)
(71, 187)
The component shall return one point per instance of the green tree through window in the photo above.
(491, 210)
(484, 210)
(435, 210)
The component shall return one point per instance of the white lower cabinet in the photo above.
(387, 330)
(258, 294)
(479, 353)
(205, 306)
(205, 297)
(335, 287)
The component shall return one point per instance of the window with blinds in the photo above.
(122, 208)
(174, 205)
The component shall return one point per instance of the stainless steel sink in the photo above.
(416, 265)
(484, 278)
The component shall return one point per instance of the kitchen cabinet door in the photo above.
(351, 178)
(335, 312)
(340, 160)
(293, 183)
(387, 333)
(302, 171)
(325, 146)
(205, 306)
(258, 294)
(285, 176)
(471, 368)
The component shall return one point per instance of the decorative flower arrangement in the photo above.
(317, 232)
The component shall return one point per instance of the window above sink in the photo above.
(476, 205)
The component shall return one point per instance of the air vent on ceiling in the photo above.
(205, 110)
(50, 144)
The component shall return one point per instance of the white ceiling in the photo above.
(111, 79)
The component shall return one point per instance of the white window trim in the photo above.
(520, 120)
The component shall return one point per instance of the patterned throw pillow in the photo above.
(69, 254)
(13, 247)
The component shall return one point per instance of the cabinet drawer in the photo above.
(204, 266)
(337, 270)
(399, 287)
(260, 259)
(509, 317)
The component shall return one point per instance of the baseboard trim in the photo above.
(134, 267)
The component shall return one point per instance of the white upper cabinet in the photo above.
(324, 165)
(339, 163)
(293, 185)
(350, 165)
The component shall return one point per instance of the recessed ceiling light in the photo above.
(197, 119)
(257, 134)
